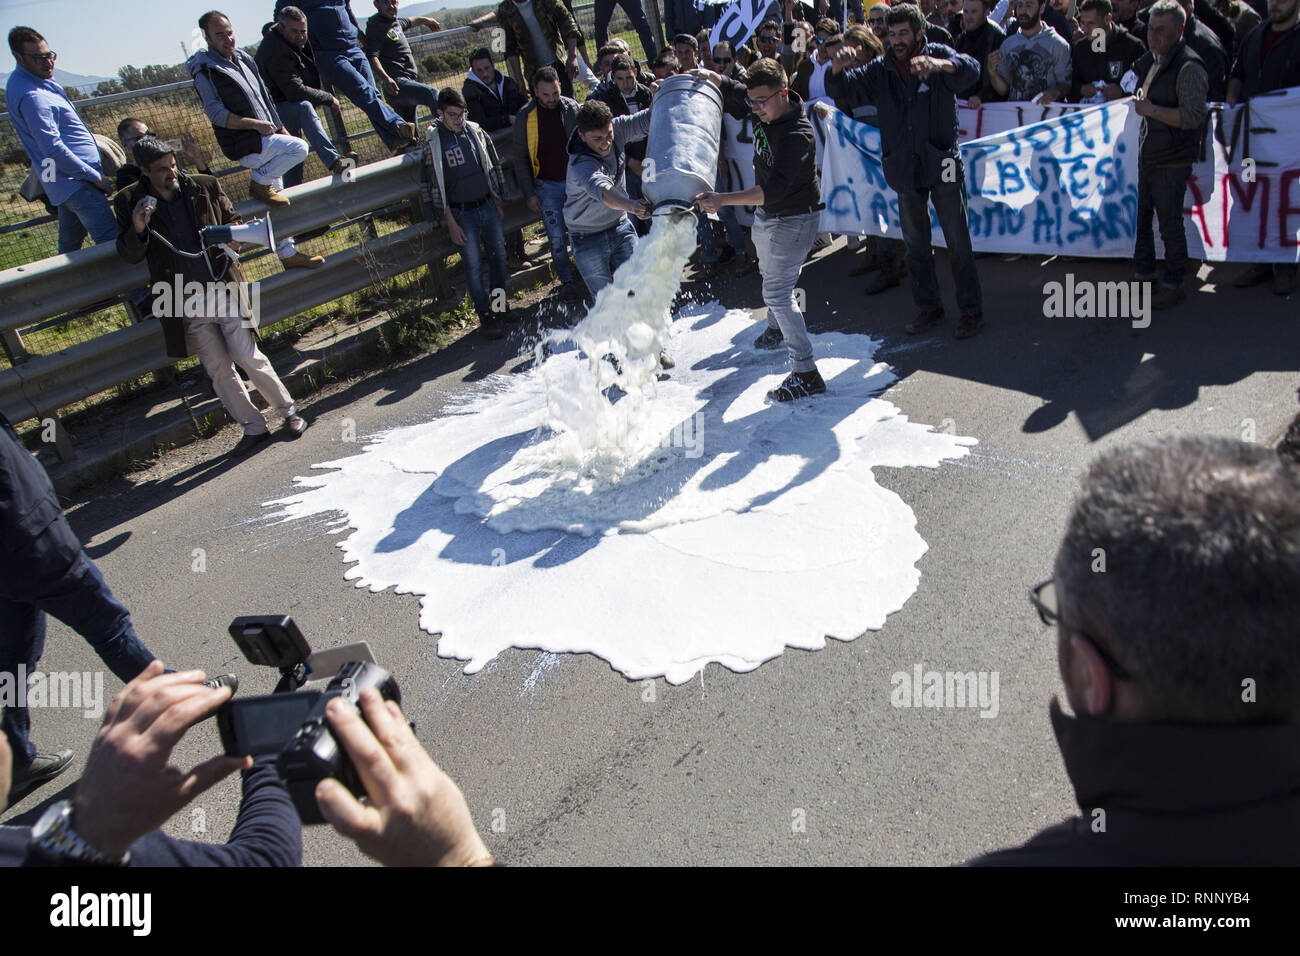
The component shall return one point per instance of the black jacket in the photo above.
(209, 206)
(1168, 146)
(486, 108)
(1207, 46)
(1172, 795)
(290, 74)
(1123, 49)
(785, 154)
(979, 45)
(1279, 71)
(918, 128)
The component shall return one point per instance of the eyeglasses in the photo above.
(819, 40)
(760, 103)
(769, 39)
(453, 114)
(136, 137)
(1043, 597)
(48, 56)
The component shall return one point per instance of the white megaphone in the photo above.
(258, 232)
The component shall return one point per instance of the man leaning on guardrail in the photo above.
(199, 294)
(61, 148)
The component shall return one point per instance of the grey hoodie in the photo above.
(590, 175)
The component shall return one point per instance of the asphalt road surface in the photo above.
(802, 761)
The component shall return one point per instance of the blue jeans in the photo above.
(783, 244)
(635, 15)
(300, 119)
(599, 254)
(1161, 192)
(551, 195)
(86, 211)
(48, 578)
(482, 225)
(914, 213)
(412, 94)
(734, 230)
(350, 74)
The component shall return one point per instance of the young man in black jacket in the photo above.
(978, 37)
(913, 88)
(624, 95)
(787, 191)
(493, 98)
(1100, 60)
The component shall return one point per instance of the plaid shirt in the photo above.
(432, 182)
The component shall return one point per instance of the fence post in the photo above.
(12, 343)
(338, 132)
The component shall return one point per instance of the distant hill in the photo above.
(66, 79)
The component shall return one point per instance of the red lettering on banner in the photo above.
(1246, 201)
(1197, 210)
(1285, 209)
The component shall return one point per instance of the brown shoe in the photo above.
(300, 260)
(267, 194)
(340, 164)
(406, 135)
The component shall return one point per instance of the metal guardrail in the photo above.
(37, 386)
(41, 385)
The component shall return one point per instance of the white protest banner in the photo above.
(741, 19)
(1067, 185)
(737, 154)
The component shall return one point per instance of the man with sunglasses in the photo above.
(766, 43)
(788, 194)
(59, 144)
(1176, 602)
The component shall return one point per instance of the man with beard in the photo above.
(912, 87)
(979, 37)
(1034, 62)
(541, 143)
(1100, 60)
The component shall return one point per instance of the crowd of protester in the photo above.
(1212, 520)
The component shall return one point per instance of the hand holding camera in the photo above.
(131, 756)
(415, 814)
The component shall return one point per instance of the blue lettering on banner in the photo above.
(1066, 182)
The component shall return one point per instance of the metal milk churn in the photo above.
(685, 135)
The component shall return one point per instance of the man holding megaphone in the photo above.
(187, 229)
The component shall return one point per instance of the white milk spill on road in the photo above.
(684, 523)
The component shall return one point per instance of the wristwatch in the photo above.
(53, 836)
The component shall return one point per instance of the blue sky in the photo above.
(95, 37)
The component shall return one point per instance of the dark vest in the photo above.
(1167, 145)
(235, 143)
